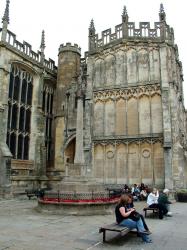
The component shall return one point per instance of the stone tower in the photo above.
(138, 116)
(65, 121)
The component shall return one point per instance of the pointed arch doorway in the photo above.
(69, 152)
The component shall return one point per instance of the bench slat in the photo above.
(113, 227)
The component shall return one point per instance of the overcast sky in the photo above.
(68, 21)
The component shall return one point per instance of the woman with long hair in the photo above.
(123, 218)
(131, 205)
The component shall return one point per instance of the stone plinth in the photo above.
(77, 208)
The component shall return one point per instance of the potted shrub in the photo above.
(182, 195)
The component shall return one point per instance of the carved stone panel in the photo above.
(144, 115)
(134, 164)
(110, 70)
(143, 66)
(120, 68)
(97, 76)
(121, 117)
(98, 118)
(146, 163)
(109, 118)
(132, 117)
(154, 63)
(156, 110)
(158, 162)
(121, 164)
(110, 166)
(131, 67)
(99, 162)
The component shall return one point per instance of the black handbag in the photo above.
(134, 216)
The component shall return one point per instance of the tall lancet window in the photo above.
(47, 107)
(19, 112)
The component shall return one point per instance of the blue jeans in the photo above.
(135, 224)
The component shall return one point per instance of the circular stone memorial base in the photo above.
(77, 208)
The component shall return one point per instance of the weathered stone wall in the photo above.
(131, 115)
(23, 176)
(132, 88)
(130, 163)
(127, 66)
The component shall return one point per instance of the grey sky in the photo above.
(68, 21)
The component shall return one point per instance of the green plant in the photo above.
(181, 195)
(182, 191)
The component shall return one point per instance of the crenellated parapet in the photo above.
(25, 49)
(144, 33)
(127, 31)
(70, 47)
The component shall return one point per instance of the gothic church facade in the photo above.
(115, 116)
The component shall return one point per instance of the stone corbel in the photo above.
(6, 71)
(1, 108)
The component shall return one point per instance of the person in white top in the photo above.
(153, 197)
(152, 201)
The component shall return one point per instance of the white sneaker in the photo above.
(169, 214)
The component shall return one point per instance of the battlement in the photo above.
(25, 49)
(160, 32)
(70, 47)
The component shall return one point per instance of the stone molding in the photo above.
(126, 93)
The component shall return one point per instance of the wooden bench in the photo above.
(35, 192)
(113, 192)
(153, 209)
(113, 227)
(31, 193)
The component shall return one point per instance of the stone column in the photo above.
(79, 152)
(37, 151)
(166, 117)
(168, 169)
(88, 115)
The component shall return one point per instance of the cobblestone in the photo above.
(23, 228)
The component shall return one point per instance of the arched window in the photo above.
(19, 112)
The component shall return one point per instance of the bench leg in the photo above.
(104, 235)
(145, 213)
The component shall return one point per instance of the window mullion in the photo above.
(26, 92)
(23, 147)
(46, 94)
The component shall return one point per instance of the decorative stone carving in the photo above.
(110, 154)
(126, 93)
(146, 153)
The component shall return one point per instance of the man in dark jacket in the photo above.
(164, 202)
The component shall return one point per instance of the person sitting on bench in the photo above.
(152, 201)
(135, 191)
(163, 200)
(131, 205)
(123, 218)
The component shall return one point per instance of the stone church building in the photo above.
(115, 116)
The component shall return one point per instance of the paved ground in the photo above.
(23, 228)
